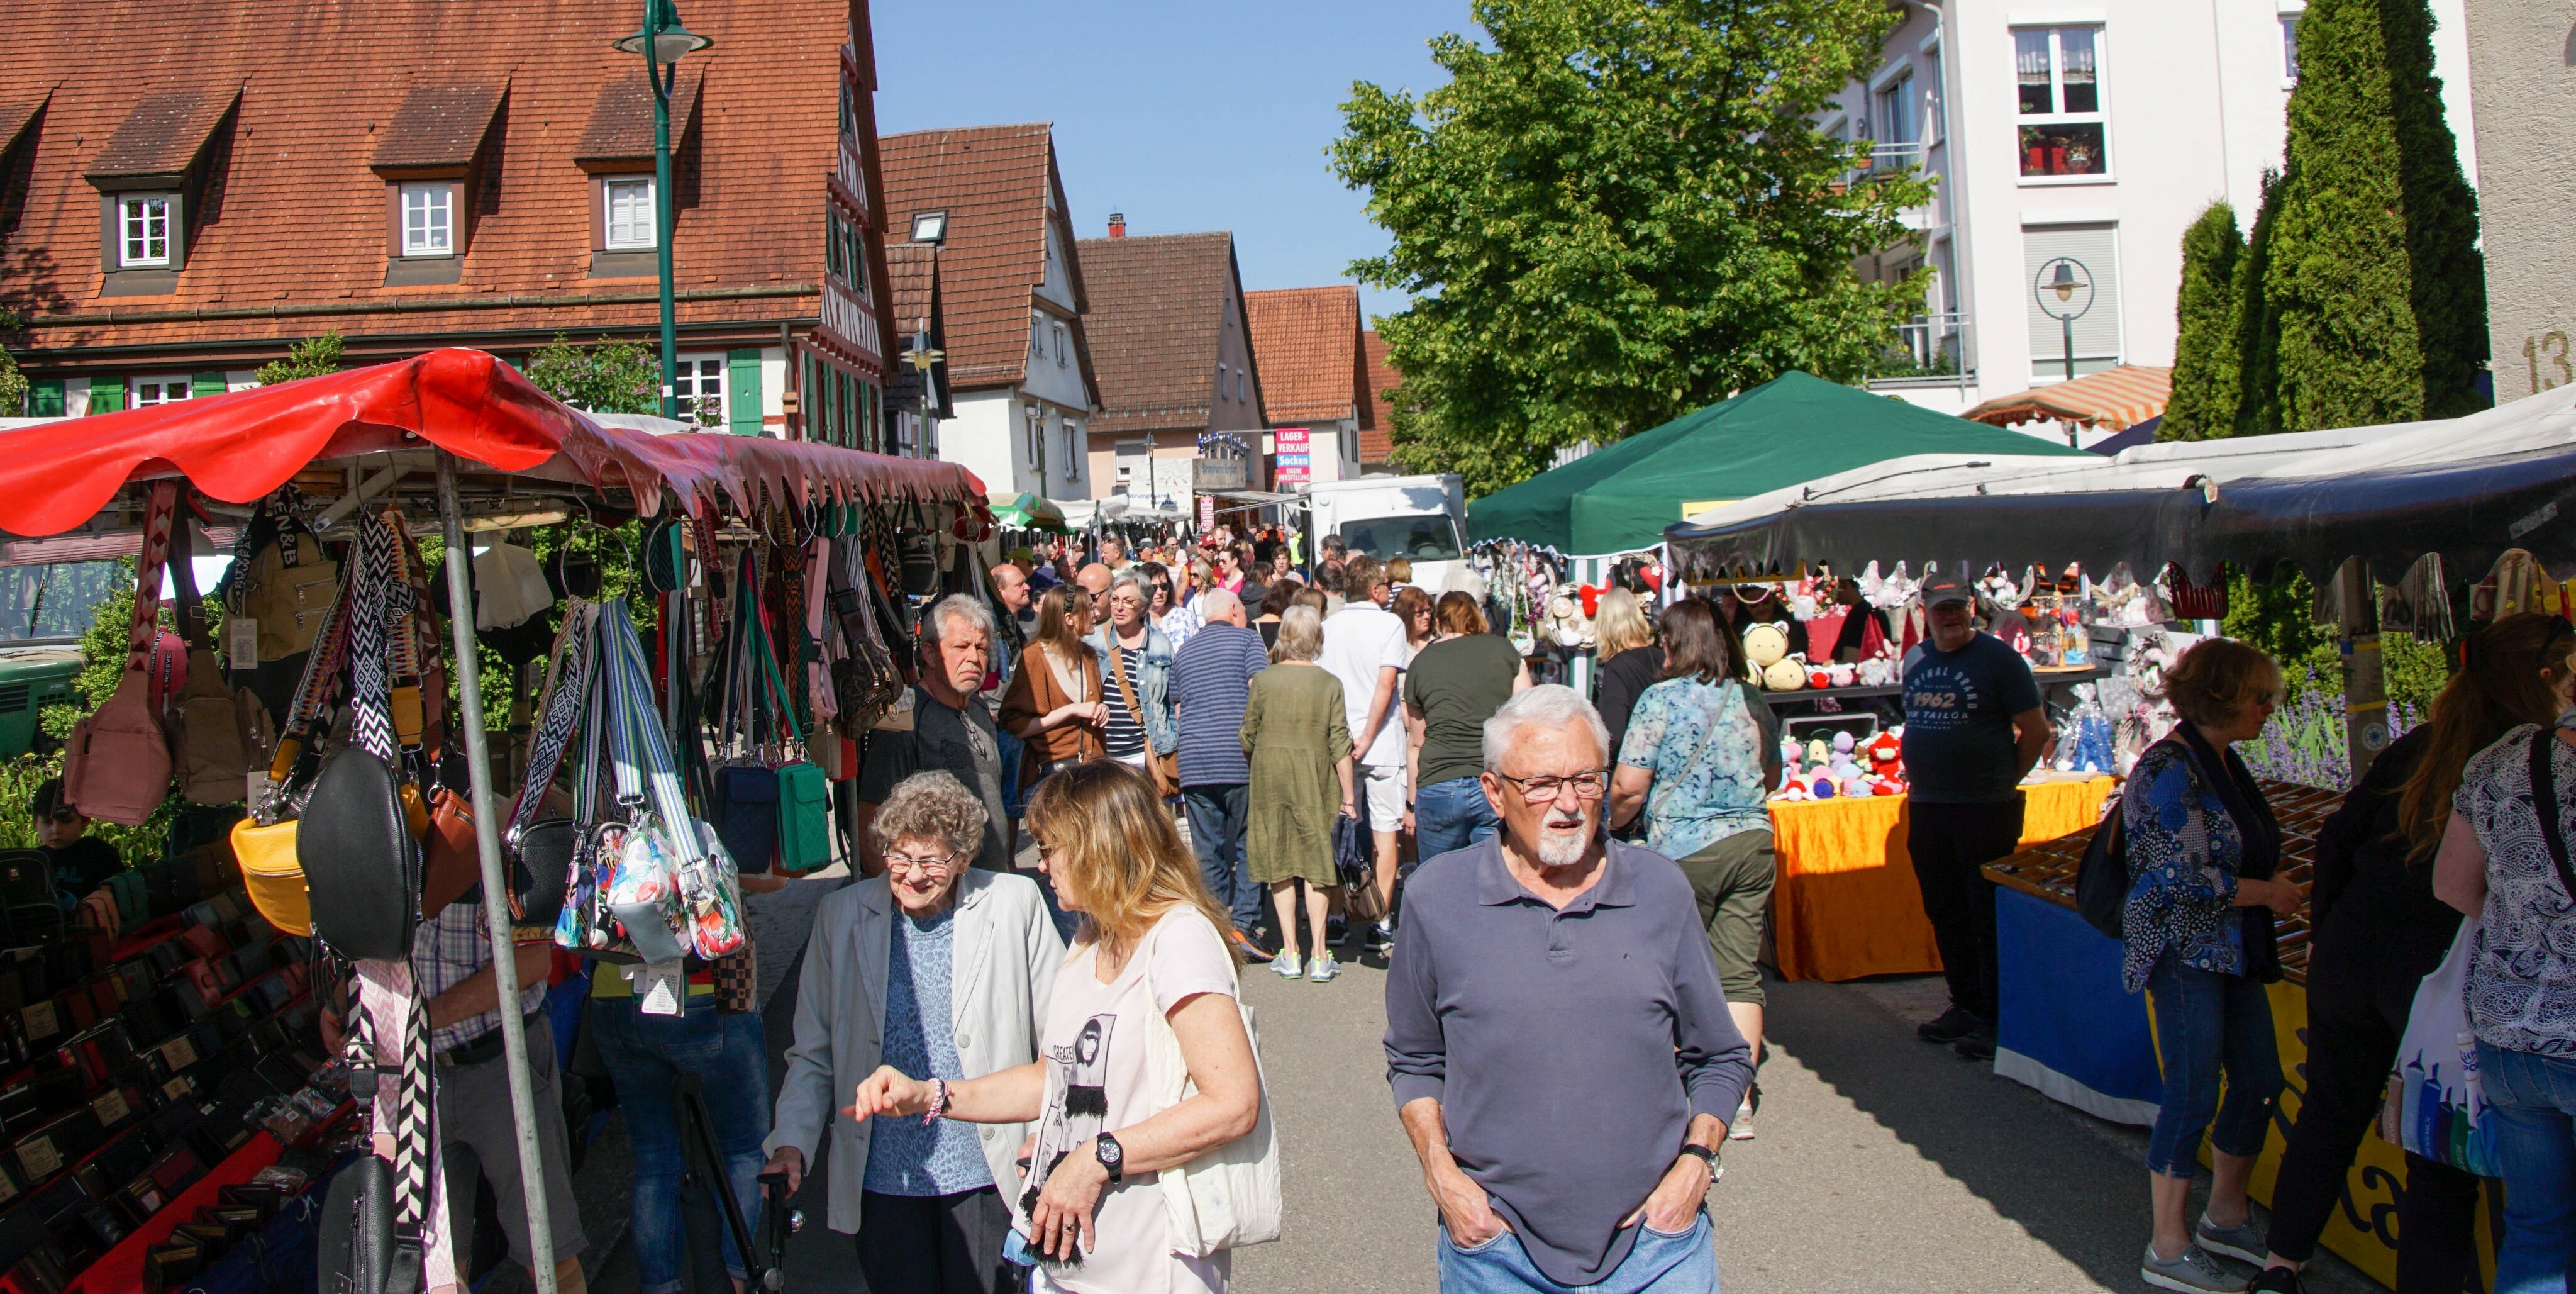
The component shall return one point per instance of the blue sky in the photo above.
(1185, 116)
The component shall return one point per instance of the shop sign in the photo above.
(1207, 512)
(1219, 474)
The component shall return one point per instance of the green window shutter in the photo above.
(201, 385)
(742, 390)
(45, 398)
(106, 394)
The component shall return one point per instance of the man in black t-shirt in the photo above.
(1973, 726)
(951, 730)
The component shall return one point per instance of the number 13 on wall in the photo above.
(2547, 349)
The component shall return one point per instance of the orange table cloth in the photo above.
(1846, 904)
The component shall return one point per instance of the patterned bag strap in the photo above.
(641, 749)
(559, 706)
(419, 1230)
(160, 516)
(370, 681)
(2545, 804)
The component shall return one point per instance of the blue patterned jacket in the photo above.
(2184, 848)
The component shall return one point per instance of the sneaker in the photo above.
(1381, 937)
(2241, 1242)
(1336, 929)
(2195, 1272)
(1322, 968)
(1285, 966)
(1951, 1026)
(2277, 1280)
(1250, 951)
(1979, 1045)
(1742, 1128)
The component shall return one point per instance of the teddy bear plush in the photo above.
(1787, 674)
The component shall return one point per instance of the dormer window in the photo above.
(143, 222)
(429, 219)
(630, 220)
(930, 227)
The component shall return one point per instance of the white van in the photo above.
(1423, 518)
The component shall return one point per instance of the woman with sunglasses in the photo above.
(957, 963)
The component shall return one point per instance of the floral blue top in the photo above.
(2184, 848)
(1703, 743)
(909, 1157)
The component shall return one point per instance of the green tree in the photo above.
(13, 384)
(611, 377)
(2258, 329)
(2374, 277)
(1616, 211)
(311, 357)
(2208, 362)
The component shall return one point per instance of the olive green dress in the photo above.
(1296, 735)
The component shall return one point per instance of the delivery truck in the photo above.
(1422, 518)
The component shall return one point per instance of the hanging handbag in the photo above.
(1226, 1197)
(116, 768)
(286, 588)
(1164, 766)
(356, 838)
(207, 741)
(1352, 859)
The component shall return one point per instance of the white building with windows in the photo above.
(1020, 381)
(2087, 134)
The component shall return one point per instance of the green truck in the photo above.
(44, 610)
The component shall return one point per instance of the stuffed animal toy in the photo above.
(1857, 787)
(1819, 677)
(1819, 753)
(1877, 671)
(1785, 675)
(1845, 744)
(1886, 754)
(1843, 673)
(1823, 788)
(1766, 645)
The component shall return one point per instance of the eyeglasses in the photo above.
(1545, 789)
(931, 867)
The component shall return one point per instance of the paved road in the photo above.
(1883, 1164)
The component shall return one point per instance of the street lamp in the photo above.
(2060, 281)
(661, 40)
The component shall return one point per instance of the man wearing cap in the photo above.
(1973, 727)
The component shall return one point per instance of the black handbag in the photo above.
(2102, 879)
(1352, 856)
(357, 1251)
(361, 864)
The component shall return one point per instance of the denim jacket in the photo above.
(1153, 683)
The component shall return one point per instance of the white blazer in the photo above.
(1007, 951)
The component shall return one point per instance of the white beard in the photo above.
(1555, 850)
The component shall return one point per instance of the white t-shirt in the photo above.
(1360, 640)
(1094, 1047)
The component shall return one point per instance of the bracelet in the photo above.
(1706, 1156)
(938, 1101)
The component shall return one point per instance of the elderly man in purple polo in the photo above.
(1549, 967)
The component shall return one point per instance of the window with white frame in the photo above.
(2064, 128)
(699, 382)
(1936, 119)
(1058, 331)
(1035, 423)
(161, 390)
(143, 231)
(429, 219)
(1893, 106)
(2289, 47)
(1072, 433)
(630, 214)
(1037, 338)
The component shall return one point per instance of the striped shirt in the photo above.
(1211, 680)
(1124, 735)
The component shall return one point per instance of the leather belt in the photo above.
(485, 1048)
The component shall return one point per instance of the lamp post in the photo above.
(661, 40)
(2062, 278)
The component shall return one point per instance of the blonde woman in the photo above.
(1151, 945)
(1298, 737)
(1631, 661)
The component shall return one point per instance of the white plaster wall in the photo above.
(985, 439)
(2524, 55)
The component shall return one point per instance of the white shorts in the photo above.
(1382, 788)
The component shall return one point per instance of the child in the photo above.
(81, 862)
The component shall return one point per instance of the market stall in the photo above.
(172, 1072)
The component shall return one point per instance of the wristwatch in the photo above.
(1703, 1154)
(1112, 1156)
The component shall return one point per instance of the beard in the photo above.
(1557, 849)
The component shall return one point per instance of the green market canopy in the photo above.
(1790, 429)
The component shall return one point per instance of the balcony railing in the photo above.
(1930, 350)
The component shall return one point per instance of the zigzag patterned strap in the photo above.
(567, 684)
(420, 1188)
(370, 686)
(159, 518)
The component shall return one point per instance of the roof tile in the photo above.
(621, 118)
(1306, 342)
(993, 182)
(163, 133)
(440, 124)
(1157, 317)
(1377, 418)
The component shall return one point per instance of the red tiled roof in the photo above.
(164, 132)
(1157, 316)
(1306, 342)
(1377, 417)
(300, 220)
(993, 181)
(912, 272)
(621, 119)
(443, 125)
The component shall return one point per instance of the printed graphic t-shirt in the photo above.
(1094, 1049)
(1958, 721)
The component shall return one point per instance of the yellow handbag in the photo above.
(272, 874)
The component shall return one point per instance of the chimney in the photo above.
(1117, 224)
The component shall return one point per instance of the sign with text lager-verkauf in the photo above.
(1290, 463)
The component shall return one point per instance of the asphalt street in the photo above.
(1881, 1164)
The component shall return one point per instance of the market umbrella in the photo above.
(1793, 428)
(1028, 512)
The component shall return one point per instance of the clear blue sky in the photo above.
(1185, 116)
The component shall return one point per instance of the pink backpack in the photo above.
(117, 766)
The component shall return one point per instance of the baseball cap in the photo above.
(1947, 589)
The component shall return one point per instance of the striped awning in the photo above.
(2114, 400)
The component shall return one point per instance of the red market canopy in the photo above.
(242, 446)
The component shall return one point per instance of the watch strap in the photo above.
(1703, 1154)
(1112, 1156)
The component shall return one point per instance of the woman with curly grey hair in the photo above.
(956, 963)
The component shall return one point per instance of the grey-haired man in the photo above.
(951, 729)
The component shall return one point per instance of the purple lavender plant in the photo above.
(2305, 741)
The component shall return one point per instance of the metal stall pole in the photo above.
(2365, 683)
(496, 882)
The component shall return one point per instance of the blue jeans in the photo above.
(2533, 1101)
(1216, 832)
(1450, 816)
(1682, 1264)
(2206, 1024)
(645, 1054)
